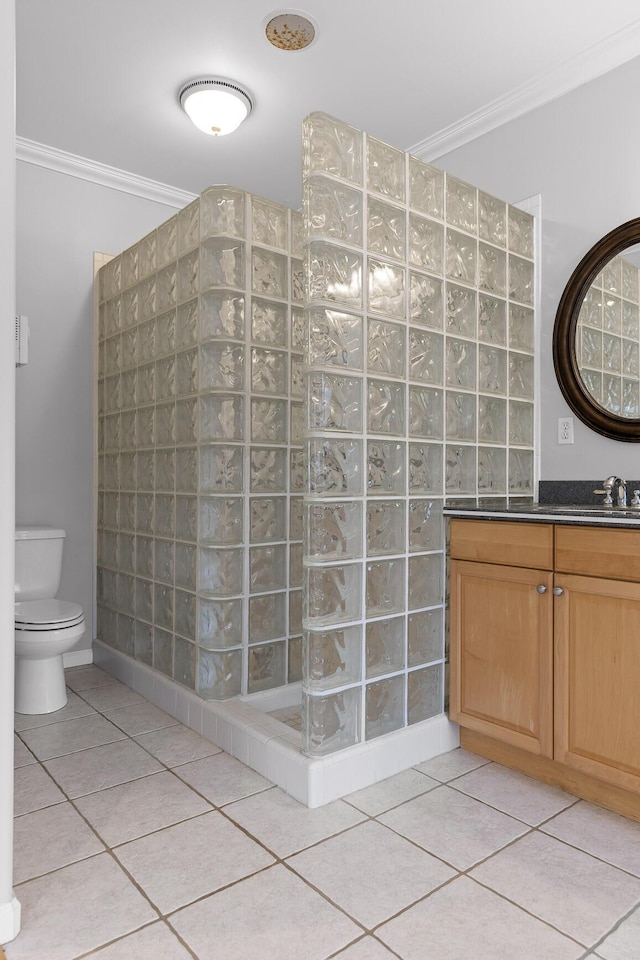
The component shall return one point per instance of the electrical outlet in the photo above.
(565, 429)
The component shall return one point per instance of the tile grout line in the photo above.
(113, 850)
(337, 954)
(282, 860)
(94, 952)
(373, 819)
(466, 872)
(278, 860)
(519, 906)
(108, 849)
(616, 925)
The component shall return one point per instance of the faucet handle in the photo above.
(635, 502)
(608, 499)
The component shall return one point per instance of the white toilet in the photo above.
(45, 628)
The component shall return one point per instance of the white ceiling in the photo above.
(99, 79)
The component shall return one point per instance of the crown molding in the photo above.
(617, 49)
(39, 154)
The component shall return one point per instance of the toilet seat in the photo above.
(40, 615)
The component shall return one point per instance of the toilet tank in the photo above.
(38, 561)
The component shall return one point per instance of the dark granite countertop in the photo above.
(548, 513)
(560, 501)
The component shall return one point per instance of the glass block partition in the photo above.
(201, 466)
(419, 386)
(608, 331)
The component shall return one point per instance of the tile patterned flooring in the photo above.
(137, 839)
(292, 716)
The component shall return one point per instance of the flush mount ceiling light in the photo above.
(215, 105)
(290, 31)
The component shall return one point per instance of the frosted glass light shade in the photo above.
(216, 106)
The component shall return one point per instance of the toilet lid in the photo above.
(47, 614)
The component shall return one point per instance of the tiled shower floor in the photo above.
(136, 839)
(292, 716)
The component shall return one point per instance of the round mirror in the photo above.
(596, 337)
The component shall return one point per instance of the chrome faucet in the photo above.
(622, 492)
(614, 486)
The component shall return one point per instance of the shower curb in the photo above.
(271, 748)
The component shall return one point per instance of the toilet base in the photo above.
(40, 686)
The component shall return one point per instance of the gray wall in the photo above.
(580, 153)
(61, 221)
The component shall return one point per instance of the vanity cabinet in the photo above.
(545, 652)
(597, 653)
(501, 584)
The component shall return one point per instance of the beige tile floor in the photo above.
(137, 839)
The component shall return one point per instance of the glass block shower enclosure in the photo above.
(420, 385)
(201, 467)
(285, 400)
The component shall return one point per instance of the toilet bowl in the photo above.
(45, 628)
(44, 631)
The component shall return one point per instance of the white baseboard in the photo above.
(77, 658)
(9, 920)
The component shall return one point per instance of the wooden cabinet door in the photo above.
(502, 653)
(597, 678)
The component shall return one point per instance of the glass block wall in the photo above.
(608, 330)
(201, 466)
(419, 386)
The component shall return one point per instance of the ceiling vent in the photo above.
(290, 31)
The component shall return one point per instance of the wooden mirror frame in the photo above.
(564, 336)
